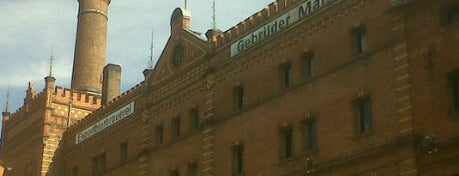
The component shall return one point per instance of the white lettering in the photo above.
(105, 123)
(277, 25)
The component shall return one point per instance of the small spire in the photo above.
(214, 21)
(51, 62)
(8, 97)
(150, 64)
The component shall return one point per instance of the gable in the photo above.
(184, 49)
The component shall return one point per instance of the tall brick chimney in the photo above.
(112, 83)
(90, 46)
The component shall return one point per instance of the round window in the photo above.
(178, 55)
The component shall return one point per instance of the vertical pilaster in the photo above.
(143, 169)
(50, 147)
(407, 164)
(50, 138)
(208, 147)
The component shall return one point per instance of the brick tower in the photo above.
(90, 46)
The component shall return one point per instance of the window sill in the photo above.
(287, 160)
(455, 116)
(308, 154)
(451, 26)
(237, 174)
(362, 54)
(287, 88)
(308, 78)
(366, 134)
(176, 139)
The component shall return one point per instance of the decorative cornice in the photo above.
(94, 11)
(107, 1)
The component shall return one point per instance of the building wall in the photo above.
(22, 148)
(404, 71)
(339, 77)
(31, 135)
(80, 156)
(431, 43)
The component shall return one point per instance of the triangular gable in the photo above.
(194, 47)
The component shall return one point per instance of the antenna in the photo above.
(214, 21)
(51, 62)
(152, 47)
(8, 97)
(186, 5)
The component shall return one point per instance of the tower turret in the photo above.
(90, 46)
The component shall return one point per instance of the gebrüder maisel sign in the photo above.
(277, 25)
(105, 122)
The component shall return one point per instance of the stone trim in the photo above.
(97, 11)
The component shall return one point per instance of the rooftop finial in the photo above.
(214, 21)
(150, 64)
(51, 61)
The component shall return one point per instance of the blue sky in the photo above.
(30, 28)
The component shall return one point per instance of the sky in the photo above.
(31, 31)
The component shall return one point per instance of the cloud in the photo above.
(29, 29)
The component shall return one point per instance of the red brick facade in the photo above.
(31, 135)
(356, 87)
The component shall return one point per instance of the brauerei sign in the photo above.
(105, 123)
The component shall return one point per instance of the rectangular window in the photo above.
(95, 165)
(361, 39)
(449, 14)
(364, 115)
(176, 127)
(123, 152)
(286, 75)
(159, 134)
(194, 118)
(193, 169)
(103, 162)
(308, 60)
(455, 82)
(75, 171)
(311, 134)
(286, 143)
(453, 18)
(239, 91)
(238, 155)
(452, 14)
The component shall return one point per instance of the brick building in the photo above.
(303, 87)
